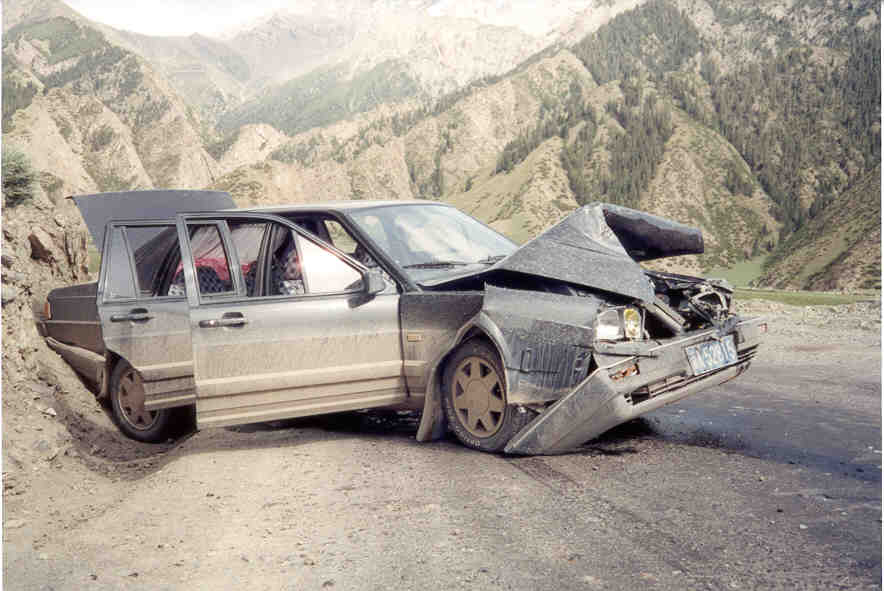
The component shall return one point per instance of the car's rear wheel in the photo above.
(127, 406)
(474, 398)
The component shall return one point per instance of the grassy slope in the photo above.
(741, 274)
(841, 247)
(525, 201)
(806, 298)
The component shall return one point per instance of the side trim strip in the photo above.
(291, 409)
(253, 399)
(169, 399)
(166, 371)
(235, 385)
(86, 362)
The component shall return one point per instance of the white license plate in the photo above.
(711, 355)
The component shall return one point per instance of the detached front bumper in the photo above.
(632, 379)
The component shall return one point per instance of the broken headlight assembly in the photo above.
(621, 323)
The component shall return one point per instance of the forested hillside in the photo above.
(804, 120)
(323, 97)
(839, 247)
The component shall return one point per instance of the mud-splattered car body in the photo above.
(262, 314)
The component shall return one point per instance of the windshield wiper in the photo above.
(492, 259)
(436, 265)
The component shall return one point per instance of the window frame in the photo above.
(263, 250)
(361, 270)
(231, 258)
(130, 256)
(400, 281)
(222, 219)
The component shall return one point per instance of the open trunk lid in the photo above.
(98, 209)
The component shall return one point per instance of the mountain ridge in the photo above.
(751, 151)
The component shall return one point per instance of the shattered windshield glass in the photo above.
(431, 241)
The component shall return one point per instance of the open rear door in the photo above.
(144, 316)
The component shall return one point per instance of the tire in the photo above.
(127, 407)
(474, 399)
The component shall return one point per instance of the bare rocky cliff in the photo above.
(94, 117)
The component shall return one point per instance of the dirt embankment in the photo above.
(56, 440)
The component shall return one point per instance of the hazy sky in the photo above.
(174, 17)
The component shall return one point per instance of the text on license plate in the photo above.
(710, 355)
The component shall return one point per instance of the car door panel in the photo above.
(298, 357)
(149, 331)
(264, 358)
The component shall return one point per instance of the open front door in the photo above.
(281, 324)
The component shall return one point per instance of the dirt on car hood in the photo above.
(99, 209)
(598, 246)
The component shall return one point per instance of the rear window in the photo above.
(118, 284)
(155, 248)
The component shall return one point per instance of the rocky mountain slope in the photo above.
(749, 120)
(746, 152)
(313, 46)
(94, 117)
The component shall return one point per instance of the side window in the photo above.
(119, 283)
(325, 272)
(210, 259)
(372, 224)
(247, 238)
(285, 264)
(155, 250)
(340, 237)
(344, 241)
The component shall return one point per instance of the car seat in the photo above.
(285, 272)
(209, 282)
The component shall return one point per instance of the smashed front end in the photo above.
(630, 378)
(590, 339)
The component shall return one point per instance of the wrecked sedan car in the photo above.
(263, 314)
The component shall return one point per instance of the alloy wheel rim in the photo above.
(131, 401)
(478, 397)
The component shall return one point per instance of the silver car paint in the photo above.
(278, 361)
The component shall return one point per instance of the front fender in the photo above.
(432, 425)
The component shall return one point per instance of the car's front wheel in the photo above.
(127, 406)
(474, 398)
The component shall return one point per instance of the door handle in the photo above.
(228, 319)
(135, 315)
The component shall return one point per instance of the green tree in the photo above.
(18, 177)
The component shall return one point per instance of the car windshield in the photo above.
(432, 241)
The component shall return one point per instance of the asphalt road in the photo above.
(772, 481)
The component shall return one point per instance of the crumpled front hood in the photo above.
(597, 246)
(99, 209)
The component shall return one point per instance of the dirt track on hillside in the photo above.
(770, 481)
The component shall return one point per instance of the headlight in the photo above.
(616, 324)
(632, 323)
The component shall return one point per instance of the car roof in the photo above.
(341, 206)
